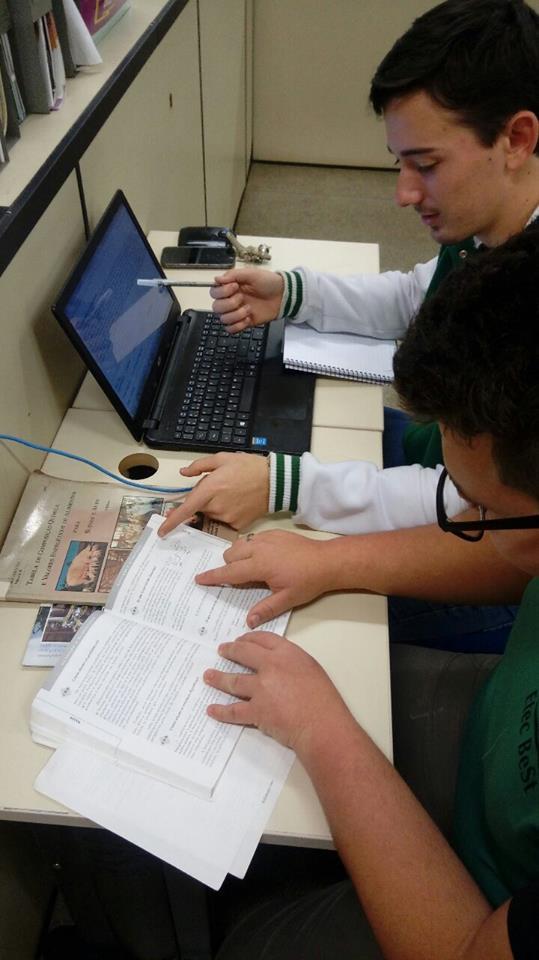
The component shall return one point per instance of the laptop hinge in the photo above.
(150, 424)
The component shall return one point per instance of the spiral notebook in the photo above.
(342, 355)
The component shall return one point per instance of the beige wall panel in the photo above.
(222, 38)
(249, 23)
(39, 370)
(313, 62)
(150, 148)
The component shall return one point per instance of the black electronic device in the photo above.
(178, 380)
(197, 258)
(204, 236)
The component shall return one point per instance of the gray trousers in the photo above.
(432, 691)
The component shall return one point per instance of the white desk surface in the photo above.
(337, 402)
(347, 633)
(100, 435)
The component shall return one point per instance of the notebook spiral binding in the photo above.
(342, 372)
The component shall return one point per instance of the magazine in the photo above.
(69, 540)
(100, 15)
(54, 628)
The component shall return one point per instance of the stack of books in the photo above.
(41, 43)
(126, 711)
(126, 707)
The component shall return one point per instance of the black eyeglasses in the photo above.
(463, 528)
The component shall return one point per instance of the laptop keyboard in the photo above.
(218, 403)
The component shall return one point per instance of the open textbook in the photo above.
(131, 685)
(69, 539)
(129, 703)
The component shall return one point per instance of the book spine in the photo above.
(30, 55)
(4, 155)
(61, 25)
(5, 19)
(38, 8)
(15, 107)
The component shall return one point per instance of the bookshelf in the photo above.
(52, 144)
(136, 124)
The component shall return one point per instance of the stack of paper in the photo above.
(136, 751)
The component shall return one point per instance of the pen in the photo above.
(161, 282)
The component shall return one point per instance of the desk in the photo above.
(347, 633)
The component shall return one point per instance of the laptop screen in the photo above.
(119, 324)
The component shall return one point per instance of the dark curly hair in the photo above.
(479, 58)
(471, 357)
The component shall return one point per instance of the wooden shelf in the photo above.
(52, 144)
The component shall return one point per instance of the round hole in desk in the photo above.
(138, 466)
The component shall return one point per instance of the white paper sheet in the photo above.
(138, 695)
(206, 839)
(157, 586)
(83, 49)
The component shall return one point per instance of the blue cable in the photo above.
(96, 466)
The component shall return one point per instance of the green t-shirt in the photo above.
(497, 804)
(422, 441)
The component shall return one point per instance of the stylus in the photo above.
(160, 282)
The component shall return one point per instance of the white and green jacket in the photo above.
(356, 496)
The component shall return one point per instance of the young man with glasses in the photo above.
(460, 101)
(471, 362)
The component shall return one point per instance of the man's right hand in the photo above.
(247, 297)
(234, 490)
(296, 569)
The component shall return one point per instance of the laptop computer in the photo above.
(177, 379)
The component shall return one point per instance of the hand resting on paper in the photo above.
(288, 696)
(234, 490)
(247, 297)
(293, 567)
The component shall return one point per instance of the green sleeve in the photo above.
(423, 444)
(422, 441)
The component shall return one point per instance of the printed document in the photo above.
(129, 704)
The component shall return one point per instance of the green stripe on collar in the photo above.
(299, 294)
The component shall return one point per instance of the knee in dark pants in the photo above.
(125, 903)
(432, 692)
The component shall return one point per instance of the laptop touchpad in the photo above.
(285, 400)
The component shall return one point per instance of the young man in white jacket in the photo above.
(460, 101)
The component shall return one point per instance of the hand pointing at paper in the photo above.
(295, 568)
(234, 490)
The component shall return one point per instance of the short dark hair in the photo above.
(471, 357)
(479, 58)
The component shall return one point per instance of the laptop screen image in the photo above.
(120, 324)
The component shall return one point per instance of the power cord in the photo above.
(96, 466)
